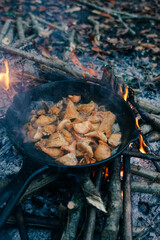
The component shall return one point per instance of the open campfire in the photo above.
(79, 121)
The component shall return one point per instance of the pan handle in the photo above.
(12, 193)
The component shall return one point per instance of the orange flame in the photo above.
(137, 124)
(121, 174)
(105, 173)
(142, 145)
(130, 144)
(91, 71)
(124, 94)
(5, 76)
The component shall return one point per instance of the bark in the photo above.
(141, 155)
(146, 173)
(111, 228)
(146, 187)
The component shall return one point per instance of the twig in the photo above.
(125, 25)
(52, 25)
(91, 219)
(7, 40)
(96, 33)
(36, 25)
(55, 62)
(26, 40)
(141, 155)
(5, 29)
(21, 223)
(71, 47)
(37, 222)
(146, 187)
(116, 13)
(127, 205)
(20, 29)
(114, 208)
(146, 173)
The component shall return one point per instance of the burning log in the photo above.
(88, 235)
(5, 29)
(127, 206)
(20, 29)
(146, 173)
(114, 209)
(73, 217)
(146, 187)
(57, 64)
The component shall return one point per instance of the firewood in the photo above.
(53, 63)
(155, 136)
(89, 231)
(26, 40)
(114, 207)
(146, 173)
(146, 187)
(146, 128)
(5, 29)
(73, 217)
(21, 223)
(20, 29)
(127, 204)
(148, 107)
(7, 40)
(141, 155)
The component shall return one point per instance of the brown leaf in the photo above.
(152, 35)
(96, 49)
(42, 9)
(113, 41)
(71, 10)
(148, 45)
(144, 31)
(33, 8)
(45, 52)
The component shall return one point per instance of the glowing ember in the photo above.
(5, 76)
(124, 94)
(91, 71)
(121, 174)
(105, 173)
(142, 145)
(130, 145)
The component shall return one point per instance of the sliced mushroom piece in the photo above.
(71, 111)
(64, 123)
(68, 159)
(102, 152)
(49, 129)
(53, 152)
(86, 108)
(94, 126)
(115, 139)
(86, 160)
(97, 134)
(85, 148)
(71, 148)
(83, 127)
(44, 120)
(107, 123)
(56, 140)
(74, 98)
(40, 144)
(67, 135)
(38, 135)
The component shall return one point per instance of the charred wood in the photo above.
(91, 220)
(146, 173)
(54, 62)
(151, 157)
(146, 187)
(21, 223)
(114, 208)
(36, 222)
(127, 205)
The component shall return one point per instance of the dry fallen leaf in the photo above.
(71, 10)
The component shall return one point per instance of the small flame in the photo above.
(137, 124)
(91, 71)
(121, 193)
(5, 76)
(105, 173)
(130, 144)
(121, 174)
(142, 145)
(125, 93)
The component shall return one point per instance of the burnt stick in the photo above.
(111, 228)
(127, 204)
(21, 223)
(53, 62)
(151, 157)
(146, 173)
